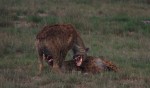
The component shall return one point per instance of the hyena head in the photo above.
(80, 58)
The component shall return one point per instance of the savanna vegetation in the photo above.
(116, 29)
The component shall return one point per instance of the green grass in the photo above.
(110, 28)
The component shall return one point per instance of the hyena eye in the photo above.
(76, 57)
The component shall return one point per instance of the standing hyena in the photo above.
(55, 41)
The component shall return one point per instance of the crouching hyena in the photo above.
(89, 65)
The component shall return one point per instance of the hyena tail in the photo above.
(110, 66)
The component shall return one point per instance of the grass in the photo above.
(110, 28)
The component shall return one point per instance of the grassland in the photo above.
(116, 29)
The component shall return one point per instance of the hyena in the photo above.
(54, 41)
